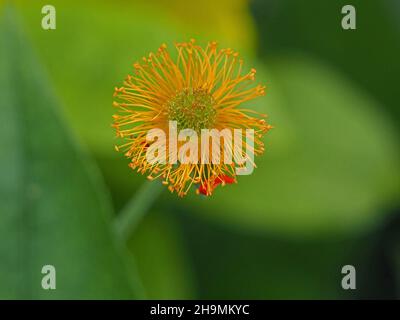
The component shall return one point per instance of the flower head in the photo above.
(200, 89)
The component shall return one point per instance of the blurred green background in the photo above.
(325, 193)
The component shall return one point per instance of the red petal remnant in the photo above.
(222, 179)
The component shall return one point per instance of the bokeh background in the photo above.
(324, 195)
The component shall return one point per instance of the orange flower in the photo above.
(200, 89)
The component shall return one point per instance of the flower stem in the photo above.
(136, 208)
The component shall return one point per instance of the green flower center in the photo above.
(192, 109)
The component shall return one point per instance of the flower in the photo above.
(200, 89)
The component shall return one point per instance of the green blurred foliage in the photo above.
(231, 264)
(378, 273)
(227, 21)
(368, 55)
(54, 208)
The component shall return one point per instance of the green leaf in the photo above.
(331, 162)
(54, 209)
